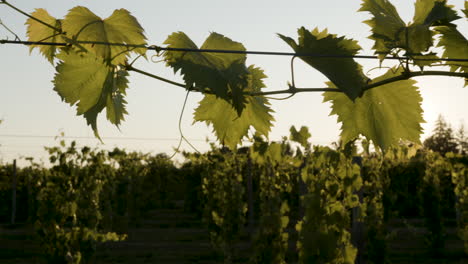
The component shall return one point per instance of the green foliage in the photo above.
(275, 183)
(229, 127)
(87, 195)
(225, 208)
(454, 44)
(80, 24)
(222, 74)
(432, 202)
(68, 213)
(384, 115)
(391, 34)
(460, 181)
(233, 101)
(92, 85)
(345, 73)
(332, 181)
(375, 182)
(385, 24)
(40, 32)
(89, 75)
(302, 136)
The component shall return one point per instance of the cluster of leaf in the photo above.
(87, 196)
(453, 170)
(92, 73)
(224, 206)
(402, 182)
(460, 181)
(332, 181)
(276, 179)
(392, 111)
(90, 76)
(375, 182)
(68, 212)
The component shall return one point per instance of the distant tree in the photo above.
(442, 140)
(462, 140)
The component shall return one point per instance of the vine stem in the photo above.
(294, 90)
(409, 75)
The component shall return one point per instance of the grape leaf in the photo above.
(428, 13)
(80, 24)
(345, 73)
(384, 115)
(115, 102)
(386, 24)
(263, 152)
(230, 127)
(39, 32)
(390, 32)
(455, 45)
(92, 85)
(433, 13)
(302, 136)
(223, 74)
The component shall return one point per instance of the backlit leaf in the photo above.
(229, 127)
(385, 23)
(455, 45)
(433, 13)
(390, 32)
(302, 136)
(384, 114)
(80, 24)
(223, 74)
(92, 85)
(39, 32)
(115, 104)
(345, 73)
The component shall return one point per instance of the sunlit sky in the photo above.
(34, 114)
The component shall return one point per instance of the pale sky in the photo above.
(33, 113)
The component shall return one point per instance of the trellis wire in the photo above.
(268, 53)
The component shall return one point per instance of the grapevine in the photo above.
(93, 58)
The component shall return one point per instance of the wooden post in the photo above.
(13, 194)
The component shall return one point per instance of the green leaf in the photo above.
(80, 24)
(39, 32)
(223, 74)
(115, 103)
(263, 152)
(345, 73)
(384, 114)
(455, 45)
(386, 24)
(428, 13)
(302, 136)
(425, 60)
(230, 127)
(92, 85)
(390, 32)
(433, 13)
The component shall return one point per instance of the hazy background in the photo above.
(33, 113)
